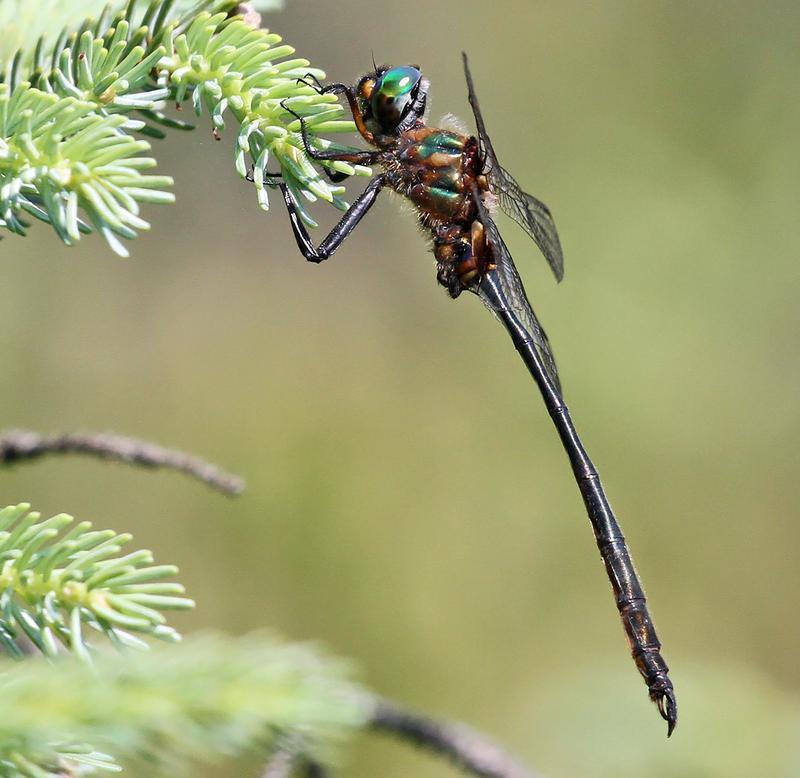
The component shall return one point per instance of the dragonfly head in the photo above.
(393, 97)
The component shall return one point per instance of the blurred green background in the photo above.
(408, 502)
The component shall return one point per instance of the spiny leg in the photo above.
(337, 235)
(350, 96)
(250, 176)
(364, 157)
(309, 79)
(334, 176)
(354, 157)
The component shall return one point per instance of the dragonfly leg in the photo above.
(352, 101)
(355, 157)
(309, 79)
(333, 175)
(249, 176)
(336, 236)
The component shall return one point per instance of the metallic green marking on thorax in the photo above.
(444, 194)
(442, 142)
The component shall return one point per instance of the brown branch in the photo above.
(280, 764)
(467, 749)
(283, 761)
(23, 445)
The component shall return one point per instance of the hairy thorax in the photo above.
(436, 170)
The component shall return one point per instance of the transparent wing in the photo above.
(531, 214)
(514, 292)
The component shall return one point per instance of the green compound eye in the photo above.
(398, 81)
(393, 95)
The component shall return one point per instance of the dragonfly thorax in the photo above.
(435, 169)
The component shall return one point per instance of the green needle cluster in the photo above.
(73, 113)
(61, 582)
(61, 158)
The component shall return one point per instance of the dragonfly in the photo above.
(457, 185)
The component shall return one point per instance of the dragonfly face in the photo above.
(455, 182)
(392, 97)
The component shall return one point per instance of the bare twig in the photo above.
(22, 445)
(280, 764)
(283, 762)
(467, 749)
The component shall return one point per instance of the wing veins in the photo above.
(514, 292)
(526, 210)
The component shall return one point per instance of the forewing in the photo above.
(530, 213)
(514, 292)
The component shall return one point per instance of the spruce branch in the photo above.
(285, 760)
(68, 108)
(208, 698)
(470, 751)
(23, 445)
(467, 749)
(58, 584)
(280, 764)
(60, 158)
(217, 697)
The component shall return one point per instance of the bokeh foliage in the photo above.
(407, 503)
(174, 709)
(67, 158)
(60, 580)
(68, 107)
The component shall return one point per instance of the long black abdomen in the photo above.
(628, 592)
